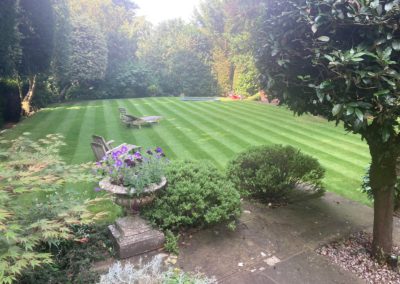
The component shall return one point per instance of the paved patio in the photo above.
(278, 245)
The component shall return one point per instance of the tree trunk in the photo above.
(26, 102)
(383, 181)
(64, 91)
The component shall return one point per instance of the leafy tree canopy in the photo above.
(340, 59)
(9, 37)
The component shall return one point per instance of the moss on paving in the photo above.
(213, 131)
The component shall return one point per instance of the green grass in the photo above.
(206, 130)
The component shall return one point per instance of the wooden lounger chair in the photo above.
(122, 111)
(139, 121)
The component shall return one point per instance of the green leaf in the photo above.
(396, 44)
(330, 58)
(349, 111)
(387, 52)
(320, 95)
(314, 28)
(336, 109)
(359, 114)
(381, 92)
(374, 4)
(389, 6)
(323, 38)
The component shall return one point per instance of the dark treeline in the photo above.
(58, 50)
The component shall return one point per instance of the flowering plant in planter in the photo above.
(134, 171)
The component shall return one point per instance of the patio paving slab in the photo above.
(278, 245)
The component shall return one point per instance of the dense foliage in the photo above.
(33, 171)
(340, 59)
(270, 173)
(177, 54)
(88, 52)
(73, 258)
(197, 195)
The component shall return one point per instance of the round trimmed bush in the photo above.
(197, 195)
(271, 172)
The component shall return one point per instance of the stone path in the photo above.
(277, 245)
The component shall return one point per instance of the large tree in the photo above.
(340, 59)
(88, 52)
(9, 38)
(36, 25)
(226, 23)
(178, 55)
(62, 47)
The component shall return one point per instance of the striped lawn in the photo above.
(214, 131)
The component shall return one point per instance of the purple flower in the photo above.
(124, 149)
(116, 154)
(137, 155)
(97, 189)
(130, 163)
(159, 150)
(118, 163)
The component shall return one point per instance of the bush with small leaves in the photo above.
(271, 172)
(31, 169)
(198, 195)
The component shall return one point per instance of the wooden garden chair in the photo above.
(98, 150)
(102, 148)
(100, 140)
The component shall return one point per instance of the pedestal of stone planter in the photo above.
(133, 235)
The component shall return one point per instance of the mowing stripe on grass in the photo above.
(227, 136)
(345, 149)
(214, 134)
(297, 138)
(210, 150)
(113, 123)
(142, 135)
(158, 134)
(72, 131)
(352, 141)
(273, 132)
(82, 150)
(319, 125)
(188, 135)
(172, 139)
(244, 137)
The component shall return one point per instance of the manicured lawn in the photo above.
(206, 130)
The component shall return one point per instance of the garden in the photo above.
(257, 142)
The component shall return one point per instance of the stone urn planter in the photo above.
(132, 234)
